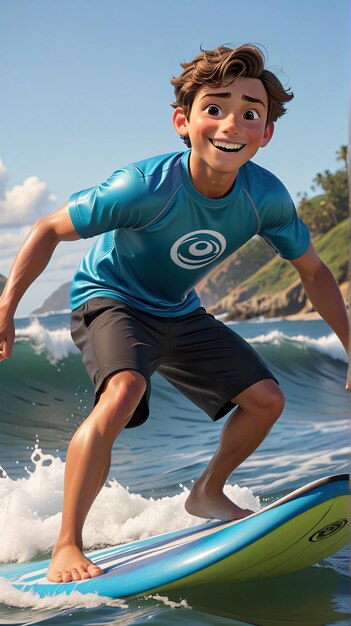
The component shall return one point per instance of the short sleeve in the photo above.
(112, 204)
(283, 229)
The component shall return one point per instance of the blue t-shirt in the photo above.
(159, 236)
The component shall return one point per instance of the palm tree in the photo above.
(326, 181)
(341, 155)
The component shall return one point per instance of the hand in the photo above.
(7, 335)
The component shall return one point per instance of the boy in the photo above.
(164, 223)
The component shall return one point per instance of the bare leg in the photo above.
(259, 407)
(104, 474)
(87, 465)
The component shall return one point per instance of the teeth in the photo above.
(226, 145)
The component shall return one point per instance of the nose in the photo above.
(230, 124)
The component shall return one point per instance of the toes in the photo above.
(55, 578)
(83, 572)
(94, 570)
(67, 576)
(58, 578)
(76, 575)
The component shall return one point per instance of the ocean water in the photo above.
(45, 394)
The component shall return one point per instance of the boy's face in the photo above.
(227, 125)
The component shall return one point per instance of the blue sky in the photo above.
(86, 89)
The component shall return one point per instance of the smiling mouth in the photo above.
(225, 146)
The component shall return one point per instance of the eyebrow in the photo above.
(227, 94)
(249, 99)
(224, 94)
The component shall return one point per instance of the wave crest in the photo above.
(330, 345)
(57, 344)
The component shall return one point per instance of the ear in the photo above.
(180, 122)
(268, 134)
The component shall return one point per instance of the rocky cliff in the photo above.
(58, 301)
(274, 290)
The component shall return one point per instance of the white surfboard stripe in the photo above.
(125, 558)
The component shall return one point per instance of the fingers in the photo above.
(6, 348)
(7, 335)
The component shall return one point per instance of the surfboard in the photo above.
(294, 532)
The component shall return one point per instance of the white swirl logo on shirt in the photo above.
(198, 249)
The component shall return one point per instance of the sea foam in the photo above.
(30, 512)
(57, 344)
(11, 596)
(330, 345)
(49, 606)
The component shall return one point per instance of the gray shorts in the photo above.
(202, 357)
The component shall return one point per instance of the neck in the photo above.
(210, 182)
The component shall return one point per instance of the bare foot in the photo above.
(214, 505)
(69, 564)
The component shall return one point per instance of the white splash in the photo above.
(183, 604)
(11, 596)
(30, 512)
(57, 343)
(328, 344)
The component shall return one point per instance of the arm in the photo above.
(324, 293)
(30, 262)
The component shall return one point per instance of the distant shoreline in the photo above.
(303, 317)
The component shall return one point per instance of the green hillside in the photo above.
(234, 270)
(278, 275)
(275, 289)
(334, 249)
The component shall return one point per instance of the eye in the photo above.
(213, 110)
(251, 114)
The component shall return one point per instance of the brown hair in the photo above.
(213, 67)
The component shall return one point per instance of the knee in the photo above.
(121, 395)
(275, 402)
(264, 398)
(127, 382)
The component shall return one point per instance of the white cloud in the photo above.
(68, 262)
(25, 203)
(10, 241)
(67, 257)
